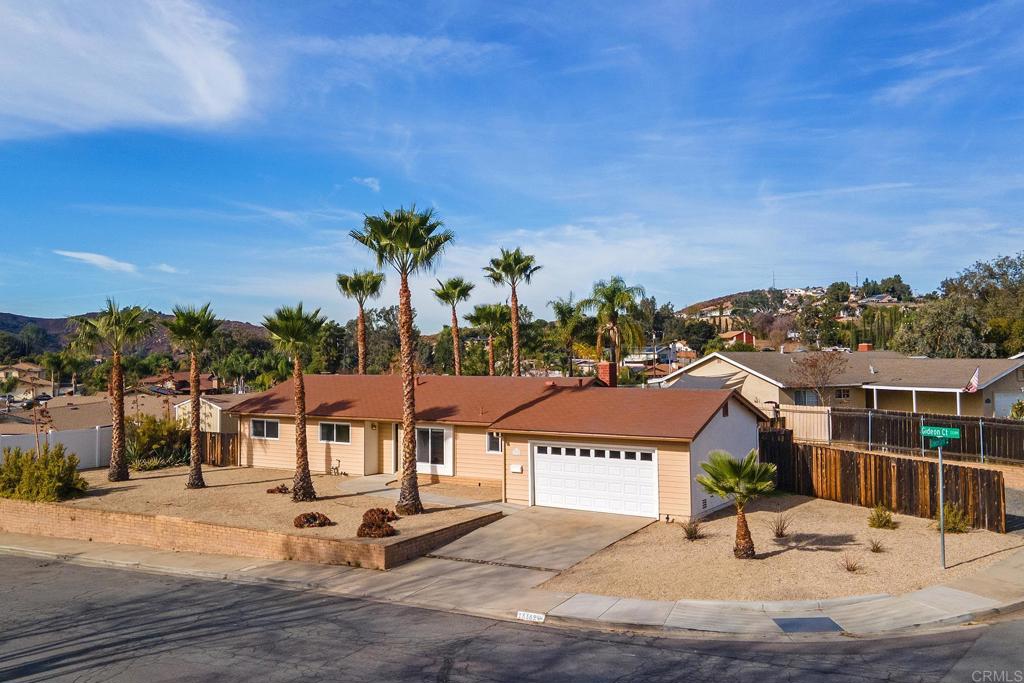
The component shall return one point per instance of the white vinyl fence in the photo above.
(92, 446)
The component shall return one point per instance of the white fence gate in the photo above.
(809, 423)
(92, 446)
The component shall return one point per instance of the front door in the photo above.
(434, 447)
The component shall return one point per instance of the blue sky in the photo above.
(185, 151)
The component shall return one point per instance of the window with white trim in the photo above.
(335, 432)
(806, 397)
(495, 444)
(843, 394)
(430, 446)
(265, 429)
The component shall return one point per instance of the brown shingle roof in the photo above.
(623, 411)
(439, 398)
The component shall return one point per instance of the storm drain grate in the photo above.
(807, 624)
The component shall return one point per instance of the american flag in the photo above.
(972, 386)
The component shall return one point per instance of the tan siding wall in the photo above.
(472, 461)
(932, 402)
(673, 469)
(753, 388)
(385, 447)
(281, 453)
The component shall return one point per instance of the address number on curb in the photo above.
(535, 617)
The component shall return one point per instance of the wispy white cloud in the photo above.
(98, 260)
(369, 181)
(166, 268)
(242, 211)
(87, 66)
(836, 191)
(910, 89)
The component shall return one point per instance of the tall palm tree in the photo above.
(615, 305)
(294, 331)
(454, 291)
(512, 268)
(361, 286)
(744, 480)
(192, 329)
(409, 241)
(55, 366)
(569, 324)
(114, 330)
(494, 320)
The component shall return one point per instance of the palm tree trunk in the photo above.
(456, 344)
(118, 470)
(195, 472)
(744, 549)
(409, 498)
(302, 485)
(514, 303)
(568, 358)
(361, 340)
(490, 355)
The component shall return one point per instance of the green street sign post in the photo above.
(939, 437)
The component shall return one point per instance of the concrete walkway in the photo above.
(503, 592)
(376, 485)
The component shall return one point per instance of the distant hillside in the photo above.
(693, 308)
(59, 329)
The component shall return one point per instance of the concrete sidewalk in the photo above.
(501, 592)
(376, 485)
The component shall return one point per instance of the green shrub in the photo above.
(881, 518)
(956, 519)
(153, 443)
(693, 529)
(51, 476)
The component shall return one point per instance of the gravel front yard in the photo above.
(482, 492)
(236, 496)
(658, 563)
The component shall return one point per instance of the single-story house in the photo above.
(560, 442)
(881, 380)
(83, 412)
(22, 370)
(733, 337)
(178, 382)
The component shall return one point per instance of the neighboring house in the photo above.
(178, 382)
(566, 442)
(214, 415)
(30, 387)
(84, 412)
(733, 337)
(876, 299)
(23, 370)
(719, 315)
(873, 379)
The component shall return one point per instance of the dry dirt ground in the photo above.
(659, 563)
(236, 496)
(482, 492)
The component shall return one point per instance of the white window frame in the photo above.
(487, 443)
(805, 393)
(320, 433)
(446, 469)
(842, 393)
(266, 421)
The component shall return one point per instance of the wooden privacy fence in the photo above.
(906, 485)
(981, 438)
(219, 449)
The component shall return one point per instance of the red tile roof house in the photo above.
(559, 442)
(178, 382)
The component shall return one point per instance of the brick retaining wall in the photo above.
(176, 533)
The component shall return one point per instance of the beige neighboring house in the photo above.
(22, 370)
(214, 415)
(558, 442)
(881, 380)
(30, 378)
(83, 412)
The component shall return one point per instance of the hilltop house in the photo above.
(871, 379)
(559, 442)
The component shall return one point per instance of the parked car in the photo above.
(43, 397)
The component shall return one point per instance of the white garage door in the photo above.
(622, 480)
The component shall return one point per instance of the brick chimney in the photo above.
(865, 346)
(607, 374)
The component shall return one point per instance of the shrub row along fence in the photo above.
(906, 485)
(983, 439)
(92, 446)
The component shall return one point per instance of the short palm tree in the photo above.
(744, 480)
(55, 365)
(294, 332)
(454, 291)
(512, 268)
(493, 320)
(409, 241)
(361, 285)
(615, 305)
(569, 324)
(191, 330)
(114, 330)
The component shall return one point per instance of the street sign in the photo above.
(940, 432)
(934, 442)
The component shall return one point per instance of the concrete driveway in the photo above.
(543, 538)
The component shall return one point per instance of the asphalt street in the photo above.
(64, 622)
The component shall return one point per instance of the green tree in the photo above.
(361, 285)
(818, 325)
(742, 480)
(329, 351)
(55, 366)
(492, 320)
(895, 286)
(944, 328)
(409, 241)
(452, 292)
(513, 268)
(191, 330)
(615, 305)
(569, 326)
(114, 330)
(838, 292)
(294, 332)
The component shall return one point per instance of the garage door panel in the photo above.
(616, 480)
